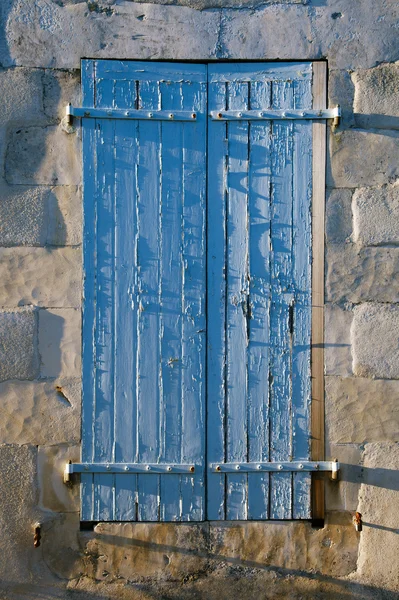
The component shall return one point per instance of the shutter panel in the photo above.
(259, 300)
(144, 315)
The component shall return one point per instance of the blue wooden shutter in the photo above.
(259, 300)
(144, 292)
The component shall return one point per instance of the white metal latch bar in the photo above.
(120, 468)
(283, 466)
(270, 114)
(127, 114)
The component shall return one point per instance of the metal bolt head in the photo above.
(300, 466)
(284, 114)
(126, 468)
(237, 467)
(148, 468)
(280, 467)
(217, 468)
(168, 468)
(240, 114)
(219, 115)
(193, 116)
(258, 467)
(303, 114)
(171, 116)
(127, 113)
(261, 114)
(150, 115)
(108, 467)
(192, 469)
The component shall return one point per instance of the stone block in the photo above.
(60, 342)
(378, 504)
(43, 156)
(40, 215)
(359, 410)
(375, 334)
(361, 274)
(343, 494)
(60, 88)
(273, 32)
(341, 91)
(18, 512)
(376, 102)
(21, 96)
(40, 412)
(337, 353)
(36, 33)
(360, 158)
(376, 215)
(18, 344)
(53, 493)
(338, 216)
(62, 553)
(40, 276)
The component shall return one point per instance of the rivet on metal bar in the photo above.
(276, 114)
(133, 114)
(131, 468)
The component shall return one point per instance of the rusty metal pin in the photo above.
(37, 535)
(192, 469)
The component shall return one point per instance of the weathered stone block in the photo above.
(376, 215)
(361, 275)
(18, 344)
(362, 158)
(342, 495)
(21, 96)
(59, 342)
(36, 33)
(40, 215)
(341, 91)
(376, 101)
(375, 334)
(53, 493)
(338, 216)
(337, 353)
(60, 88)
(359, 410)
(43, 155)
(40, 413)
(378, 504)
(40, 276)
(18, 512)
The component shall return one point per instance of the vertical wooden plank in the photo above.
(301, 318)
(105, 306)
(148, 327)
(171, 264)
(126, 305)
(193, 308)
(317, 354)
(259, 308)
(282, 298)
(89, 266)
(216, 301)
(237, 301)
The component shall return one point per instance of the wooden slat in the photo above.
(318, 200)
(281, 301)
(259, 306)
(237, 269)
(216, 303)
(301, 382)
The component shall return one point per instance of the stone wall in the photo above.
(41, 44)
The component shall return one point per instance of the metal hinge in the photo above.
(126, 468)
(271, 114)
(129, 114)
(283, 466)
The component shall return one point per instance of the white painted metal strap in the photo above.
(163, 469)
(113, 113)
(287, 466)
(269, 114)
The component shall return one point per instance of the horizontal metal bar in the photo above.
(163, 469)
(154, 115)
(269, 114)
(286, 466)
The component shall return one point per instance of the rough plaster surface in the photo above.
(342, 495)
(347, 166)
(59, 342)
(361, 410)
(40, 276)
(376, 102)
(18, 344)
(375, 335)
(54, 494)
(361, 274)
(338, 216)
(378, 495)
(40, 412)
(337, 349)
(376, 215)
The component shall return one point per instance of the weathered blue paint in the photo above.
(258, 291)
(144, 289)
(145, 323)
